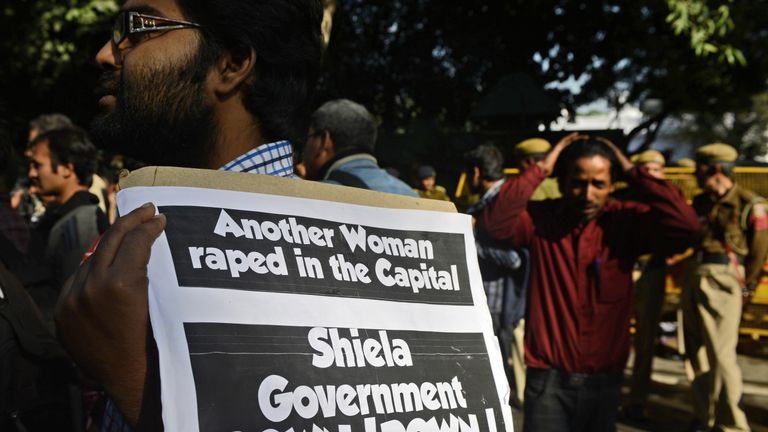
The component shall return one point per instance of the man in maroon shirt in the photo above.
(583, 248)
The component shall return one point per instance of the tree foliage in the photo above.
(423, 65)
(705, 26)
(48, 52)
(747, 128)
(432, 60)
(48, 34)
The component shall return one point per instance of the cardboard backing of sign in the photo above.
(258, 183)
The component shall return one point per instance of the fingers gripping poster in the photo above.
(280, 314)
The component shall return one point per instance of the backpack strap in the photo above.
(20, 312)
(347, 179)
(9, 255)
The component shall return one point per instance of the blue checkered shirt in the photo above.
(271, 159)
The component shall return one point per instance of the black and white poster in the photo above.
(280, 314)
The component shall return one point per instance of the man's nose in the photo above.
(581, 193)
(105, 58)
(591, 193)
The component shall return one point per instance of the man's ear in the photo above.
(231, 70)
(66, 170)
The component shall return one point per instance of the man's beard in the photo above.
(161, 116)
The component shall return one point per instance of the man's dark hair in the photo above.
(286, 37)
(534, 157)
(71, 146)
(349, 123)
(586, 149)
(488, 159)
(48, 122)
(9, 164)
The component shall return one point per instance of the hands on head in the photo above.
(624, 162)
(102, 316)
(548, 163)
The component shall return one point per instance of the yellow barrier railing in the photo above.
(755, 320)
(753, 178)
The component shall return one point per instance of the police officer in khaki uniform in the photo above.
(428, 188)
(527, 153)
(649, 299)
(733, 249)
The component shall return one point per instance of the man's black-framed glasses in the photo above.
(130, 22)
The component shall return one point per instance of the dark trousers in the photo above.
(556, 401)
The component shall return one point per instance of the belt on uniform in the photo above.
(578, 379)
(716, 258)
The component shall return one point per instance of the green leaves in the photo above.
(706, 28)
(46, 36)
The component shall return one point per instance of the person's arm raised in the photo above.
(547, 164)
(671, 226)
(506, 218)
(624, 162)
(102, 315)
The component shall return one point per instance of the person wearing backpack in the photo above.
(62, 165)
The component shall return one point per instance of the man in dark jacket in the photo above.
(62, 163)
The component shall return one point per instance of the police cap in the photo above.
(686, 163)
(425, 171)
(716, 153)
(649, 156)
(532, 146)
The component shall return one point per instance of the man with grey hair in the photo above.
(339, 149)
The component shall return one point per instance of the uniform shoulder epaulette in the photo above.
(748, 196)
(750, 200)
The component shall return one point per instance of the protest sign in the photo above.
(289, 313)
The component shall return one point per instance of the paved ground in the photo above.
(669, 405)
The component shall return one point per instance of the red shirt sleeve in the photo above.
(507, 217)
(670, 225)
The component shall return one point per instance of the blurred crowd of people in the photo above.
(557, 256)
(556, 244)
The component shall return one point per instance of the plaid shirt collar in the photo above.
(271, 159)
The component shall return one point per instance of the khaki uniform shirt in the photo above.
(437, 193)
(737, 222)
(548, 189)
